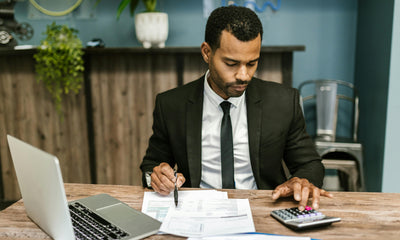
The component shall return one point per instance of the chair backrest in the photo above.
(326, 96)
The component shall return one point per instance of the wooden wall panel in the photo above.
(270, 67)
(124, 87)
(193, 67)
(27, 112)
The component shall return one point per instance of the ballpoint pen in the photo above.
(176, 190)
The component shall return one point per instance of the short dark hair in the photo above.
(242, 22)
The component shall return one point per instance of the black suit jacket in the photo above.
(276, 131)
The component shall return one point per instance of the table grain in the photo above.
(365, 215)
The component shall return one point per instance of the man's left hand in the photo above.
(302, 190)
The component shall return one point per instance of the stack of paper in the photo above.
(204, 214)
(199, 213)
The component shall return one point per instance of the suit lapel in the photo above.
(194, 114)
(254, 111)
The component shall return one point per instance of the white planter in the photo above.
(151, 29)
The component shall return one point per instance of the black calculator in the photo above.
(297, 220)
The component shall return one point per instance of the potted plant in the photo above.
(151, 26)
(59, 62)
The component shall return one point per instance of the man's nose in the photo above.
(243, 73)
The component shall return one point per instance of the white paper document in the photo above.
(209, 217)
(251, 236)
(205, 215)
(156, 205)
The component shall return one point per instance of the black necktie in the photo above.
(227, 148)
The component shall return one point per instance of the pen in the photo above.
(176, 190)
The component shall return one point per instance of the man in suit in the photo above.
(266, 123)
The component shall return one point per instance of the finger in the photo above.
(181, 180)
(305, 192)
(161, 181)
(167, 184)
(297, 191)
(167, 176)
(283, 190)
(157, 185)
(167, 171)
(316, 198)
(326, 193)
(276, 193)
(159, 190)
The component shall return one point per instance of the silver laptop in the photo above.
(42, 190)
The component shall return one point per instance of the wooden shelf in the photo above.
(170, 50)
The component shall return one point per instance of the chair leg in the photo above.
(347, 171)
(349, 179)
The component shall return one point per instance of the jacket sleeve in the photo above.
(300, 155)
(159, 149)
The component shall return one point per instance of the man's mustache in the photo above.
(239, 82)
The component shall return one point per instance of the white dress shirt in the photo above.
(211, 150)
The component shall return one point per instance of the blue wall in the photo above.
(372, 80)
(327, 29)
(392, 153)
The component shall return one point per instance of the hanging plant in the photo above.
(59, 62)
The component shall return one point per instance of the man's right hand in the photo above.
(163, 179)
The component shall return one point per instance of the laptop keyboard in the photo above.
(88, 225)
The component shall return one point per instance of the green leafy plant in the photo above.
(149, 4)
(59, 62)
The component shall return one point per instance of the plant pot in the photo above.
(152, 29)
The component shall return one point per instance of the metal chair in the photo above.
(326, 103)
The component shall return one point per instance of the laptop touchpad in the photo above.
(127, 217)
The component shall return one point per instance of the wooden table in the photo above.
(364, 215)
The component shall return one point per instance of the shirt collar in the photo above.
(215, 98)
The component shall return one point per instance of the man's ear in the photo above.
(206, 51)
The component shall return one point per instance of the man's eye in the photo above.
(230, 64)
